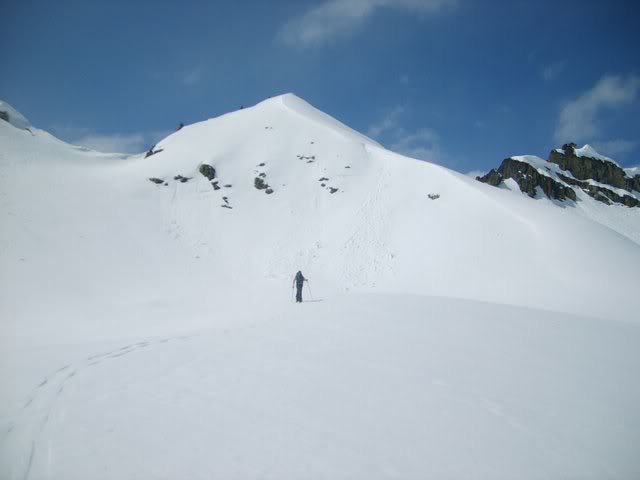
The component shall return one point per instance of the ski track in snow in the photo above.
(23, 436)
(365, 251)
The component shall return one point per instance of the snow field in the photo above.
(148, 332)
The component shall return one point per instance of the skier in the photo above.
(298, 281)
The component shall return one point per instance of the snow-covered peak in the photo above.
(14, 117)
(302, 107)
(590, 152)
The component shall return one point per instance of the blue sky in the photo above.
(465, 83)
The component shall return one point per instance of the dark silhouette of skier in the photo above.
(298, 281)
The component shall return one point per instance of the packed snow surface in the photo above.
(148, 329)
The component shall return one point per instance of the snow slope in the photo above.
(147, 329)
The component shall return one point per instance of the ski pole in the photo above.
(309, 287)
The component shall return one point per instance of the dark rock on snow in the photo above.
(528, 179)
(208, 171)
(260, 184)
(581, 172)
(151, 151)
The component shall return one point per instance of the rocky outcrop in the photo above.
(601, 194)
(528, 179)
(585, 168)
(569, 168)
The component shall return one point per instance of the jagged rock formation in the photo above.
(585, 168)
(568, 168)
(528, 179)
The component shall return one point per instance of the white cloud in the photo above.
(116, 143)
(579, 119)
(333, 19)
(119, 142)
(552, 71)
(612, 148)
(192, 77)
(423, 143)
(387, 123)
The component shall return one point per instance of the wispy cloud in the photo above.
(135, 142)
(553, 70)
(191, 77)
(334, 19)
(613, 148)
(422, 143)
(120, 142)
(580, 119)
(389, 122)
(116, 143)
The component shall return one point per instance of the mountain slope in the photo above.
(378, 231)
(145, 318)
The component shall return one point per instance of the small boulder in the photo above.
(208, 171)
(260, 184)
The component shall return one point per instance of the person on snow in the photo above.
(298, 281)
